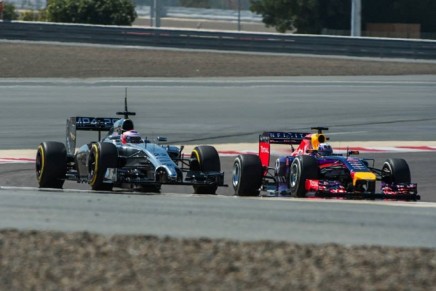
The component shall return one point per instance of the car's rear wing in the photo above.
(74, 124)
(280, 137)
(277, 137)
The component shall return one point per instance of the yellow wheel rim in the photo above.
(197, 156)
(42, 155)
(94, 177)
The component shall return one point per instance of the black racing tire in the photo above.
(302, 168)
(396, 171)
(205, 159)
(51, 164)
(247, 175)
(101, 157)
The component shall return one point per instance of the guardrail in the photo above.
(219, 40)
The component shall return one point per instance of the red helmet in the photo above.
(131, 136)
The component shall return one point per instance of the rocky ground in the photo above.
(83, 261)
(31, 260)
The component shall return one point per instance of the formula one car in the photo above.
(123, 159)
(313, 170)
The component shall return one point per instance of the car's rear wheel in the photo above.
(247, 175)
(102, 156)
(302, 168)
(205, 159)
(396, 171)
(51, 164)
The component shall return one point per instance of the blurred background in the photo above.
(377, 18)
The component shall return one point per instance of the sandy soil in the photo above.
(36, 60)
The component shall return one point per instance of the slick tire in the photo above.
(102, 156)
(396, 171)
(302, 168)
(247, 175)
(51, 164)
(205, 159)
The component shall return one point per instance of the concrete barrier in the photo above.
(220, 40)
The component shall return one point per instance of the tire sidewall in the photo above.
(205, 159)
(40, 164)
(104, 156)
(398, 169)
(236, 174)
(302, 168)
(295, 177)
(247, 175)
(51, 164)
(94, 166)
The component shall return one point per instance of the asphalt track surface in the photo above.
(224, 110)
(208, 111)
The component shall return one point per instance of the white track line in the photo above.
(231, 150)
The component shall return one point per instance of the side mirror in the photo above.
(161, 139)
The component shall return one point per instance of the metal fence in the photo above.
(218, 40)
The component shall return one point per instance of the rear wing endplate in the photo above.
(276, 137)
(98, 124)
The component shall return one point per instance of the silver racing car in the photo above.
(124, 159)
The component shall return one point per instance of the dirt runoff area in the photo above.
(31, 260)
(37, 60)
(82, 261)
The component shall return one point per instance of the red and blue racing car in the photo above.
(313, 170)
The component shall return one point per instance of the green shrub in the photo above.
(9, 12)
(109, 12)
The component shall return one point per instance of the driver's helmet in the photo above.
(324, 149)
(131, 136)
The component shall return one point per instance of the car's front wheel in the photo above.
(102, 156)
(205, 159)
(247, 175)
(302, 168)
(395, 171)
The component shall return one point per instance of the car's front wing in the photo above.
(365, 196)
(334, 189)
